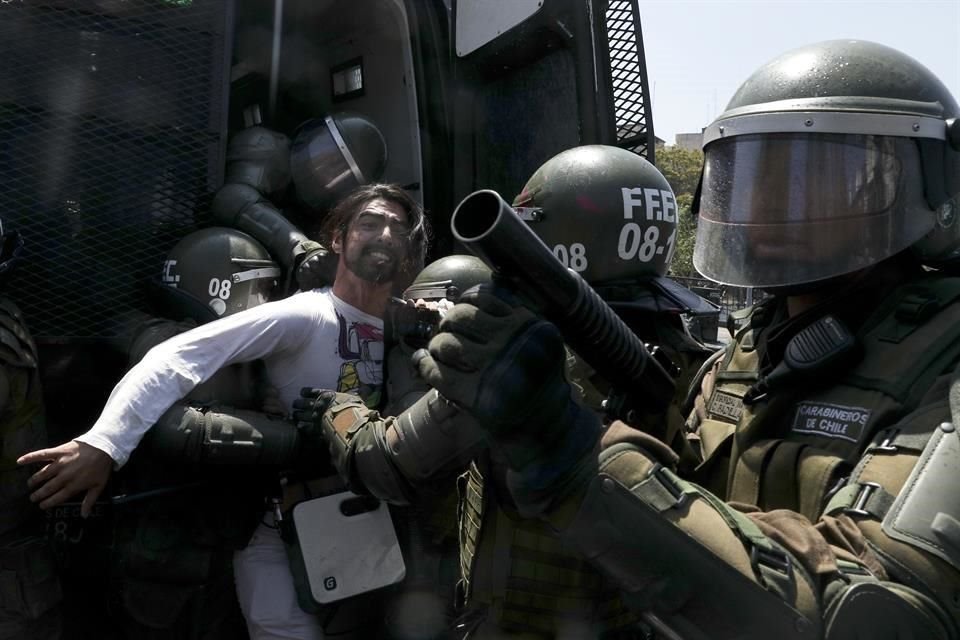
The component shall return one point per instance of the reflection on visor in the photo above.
(795, 178)
(784, 209)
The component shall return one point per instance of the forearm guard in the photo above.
(693, 567)
(389, 457)
(243, 207)
(222, 437)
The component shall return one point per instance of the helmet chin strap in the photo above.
(801, 297)
(821, 288)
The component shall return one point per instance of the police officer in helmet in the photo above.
(172, 540)
(611, 216)
(613, 193)
(823, 499)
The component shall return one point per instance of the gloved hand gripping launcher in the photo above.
(490, 229)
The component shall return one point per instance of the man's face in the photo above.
(375, 242)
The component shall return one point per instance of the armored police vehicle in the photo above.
(115, 116)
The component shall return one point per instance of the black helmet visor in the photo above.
(788, 208)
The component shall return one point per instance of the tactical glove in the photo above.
(504, 366)
(308, 412)
(317, 267)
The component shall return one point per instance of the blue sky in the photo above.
(699, 51)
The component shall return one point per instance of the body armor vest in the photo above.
(22, 426)
(823, 431)
(518, 570)
(844, 446)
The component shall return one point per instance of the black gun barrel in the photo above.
(490, 229)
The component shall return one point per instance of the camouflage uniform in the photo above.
(29, 589)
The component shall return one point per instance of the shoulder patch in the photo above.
(726, 405)
(831, 420)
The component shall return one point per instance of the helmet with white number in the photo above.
(605, 212)
(222, 269)
(611, 216)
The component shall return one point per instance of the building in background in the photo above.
(691, 141)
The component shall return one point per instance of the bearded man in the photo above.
(329, 337)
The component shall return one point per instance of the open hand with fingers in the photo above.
(72, 468)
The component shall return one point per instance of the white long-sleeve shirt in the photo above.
(311, 339)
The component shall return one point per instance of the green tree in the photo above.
(681, 168)
(682, 262)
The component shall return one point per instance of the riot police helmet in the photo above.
(333, 155)
(440, 285)
(448, 278)
(220, 270)
(827, 160)
(609, 215)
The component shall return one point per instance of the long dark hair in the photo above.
(336, 223)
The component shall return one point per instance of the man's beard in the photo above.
(372, 268)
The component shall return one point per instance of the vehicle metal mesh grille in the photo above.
(629, 78)
(112, 121)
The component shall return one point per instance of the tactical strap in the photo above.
(817, 475)
(773, 565)
(917, 315)
(893, 439)
(854, 572)
(790, 475)
(780, 483)
(689, 588)
(663, 489)
(749, 468)
(697, 381)
(470, 514)
(869, 498)
(861, 498)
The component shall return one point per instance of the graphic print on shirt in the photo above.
(361, 349)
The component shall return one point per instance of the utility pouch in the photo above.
(29, 586)
(339, 546)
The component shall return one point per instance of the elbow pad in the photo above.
(431, 436)
(222, 437)
(243, 207)
(388, 457)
